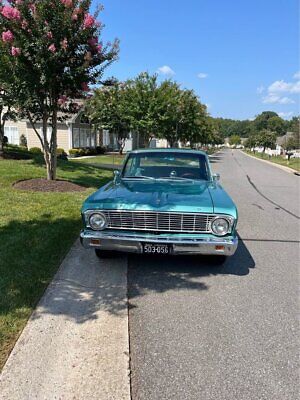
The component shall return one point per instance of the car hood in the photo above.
(187, 196)
(153, 196)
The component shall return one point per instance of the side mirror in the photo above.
(216, 177)
(117, 175)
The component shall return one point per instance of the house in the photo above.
(134, 141)
(74, 132)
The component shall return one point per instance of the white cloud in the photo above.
(272, 98)
(165, 70)
(260, 89)
(286, 115)
(297, 75)
(284, 87)
(202, 75)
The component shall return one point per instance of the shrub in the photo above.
(23, 141)
(100, 150)
(61, 154)
(74, 152)
(35, 150)
(59, 151)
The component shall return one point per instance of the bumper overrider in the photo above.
(133, 242)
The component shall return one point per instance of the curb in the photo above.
(282, 167)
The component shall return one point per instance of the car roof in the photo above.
(168, 150)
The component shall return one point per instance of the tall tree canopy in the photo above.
(108, 109)
(151, 109)
(54, 53)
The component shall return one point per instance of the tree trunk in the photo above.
(1, 146)
(1, 133)
(54, 145)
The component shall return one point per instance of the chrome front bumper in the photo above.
(133, 243)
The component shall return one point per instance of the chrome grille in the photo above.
(158, 221)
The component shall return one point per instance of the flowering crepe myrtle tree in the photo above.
(54, 55)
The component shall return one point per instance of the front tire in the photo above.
(105, 253)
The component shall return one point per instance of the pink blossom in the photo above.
(15, 51)
(32, 7)
(85, 87)
(19, 2)
(49, 35)
(7, 36)
(11, 13)
(62, 100)
(92, 42)
(67, 3)
(74, 17)
(99, 48)
(52, 48)
(24, 24)
(89, 21)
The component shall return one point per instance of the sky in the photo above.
(240, 56)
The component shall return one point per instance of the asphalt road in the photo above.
(203, 332)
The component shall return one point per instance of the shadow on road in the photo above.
(161, 273)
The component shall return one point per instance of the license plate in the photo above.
(154, 248)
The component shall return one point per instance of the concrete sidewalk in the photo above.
(75, 345)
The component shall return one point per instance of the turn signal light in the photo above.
(95, 241)
(220, 248)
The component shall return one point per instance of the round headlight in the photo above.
(97, 221)
(220, 226)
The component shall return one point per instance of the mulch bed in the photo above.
(43, 185)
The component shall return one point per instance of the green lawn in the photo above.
(103, 159)
(294, 163)
(36, 231)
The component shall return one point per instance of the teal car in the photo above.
(162, 201)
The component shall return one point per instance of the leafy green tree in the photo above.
(251, 142)
(181, 116)
(266, 139)
(292, 143)
(261, 121)
(54, 55)
(234, 140)
(141, 98)
(108, 109)
(294, 125)
(276, 124)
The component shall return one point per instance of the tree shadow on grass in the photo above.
(79, 173)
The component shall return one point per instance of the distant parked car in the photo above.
(163, 201)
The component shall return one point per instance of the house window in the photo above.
(12, 134)
(106, 138)
(83, 137)
(76, 141)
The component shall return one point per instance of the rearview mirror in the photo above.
(216, 177)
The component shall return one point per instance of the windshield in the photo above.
(168, 165)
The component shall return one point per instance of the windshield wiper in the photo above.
(139, 177)
(176, 178)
